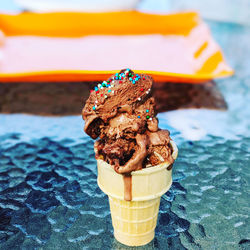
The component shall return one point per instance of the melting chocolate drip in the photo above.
(127, 179)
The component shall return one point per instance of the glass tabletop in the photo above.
(49, 198)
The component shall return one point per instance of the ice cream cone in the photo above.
(134, 221)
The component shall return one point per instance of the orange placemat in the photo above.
(91, 46)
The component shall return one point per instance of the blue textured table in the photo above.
(49, 198)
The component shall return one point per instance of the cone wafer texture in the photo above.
(134, 221)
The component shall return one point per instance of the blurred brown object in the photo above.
(69, 98)
(171, 96)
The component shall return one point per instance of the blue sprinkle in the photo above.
(138, 116)
(130, 79)
(133, 81)
(109, 90)
(96, 88)
(147, 110)
(94, 108)
(108, 85)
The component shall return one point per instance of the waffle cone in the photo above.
(134, 221)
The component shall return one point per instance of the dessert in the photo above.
(132, 153)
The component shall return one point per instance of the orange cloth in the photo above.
(91, 46)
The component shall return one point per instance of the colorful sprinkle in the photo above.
(147, 110)
(94, 108)
(96, 88)
(105, 96)
(147, 116)
(139, 116)
(141, 89)
(109, 90)
(139, 99)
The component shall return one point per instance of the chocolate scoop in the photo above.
(121, 112)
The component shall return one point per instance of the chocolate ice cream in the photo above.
(121, 112)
